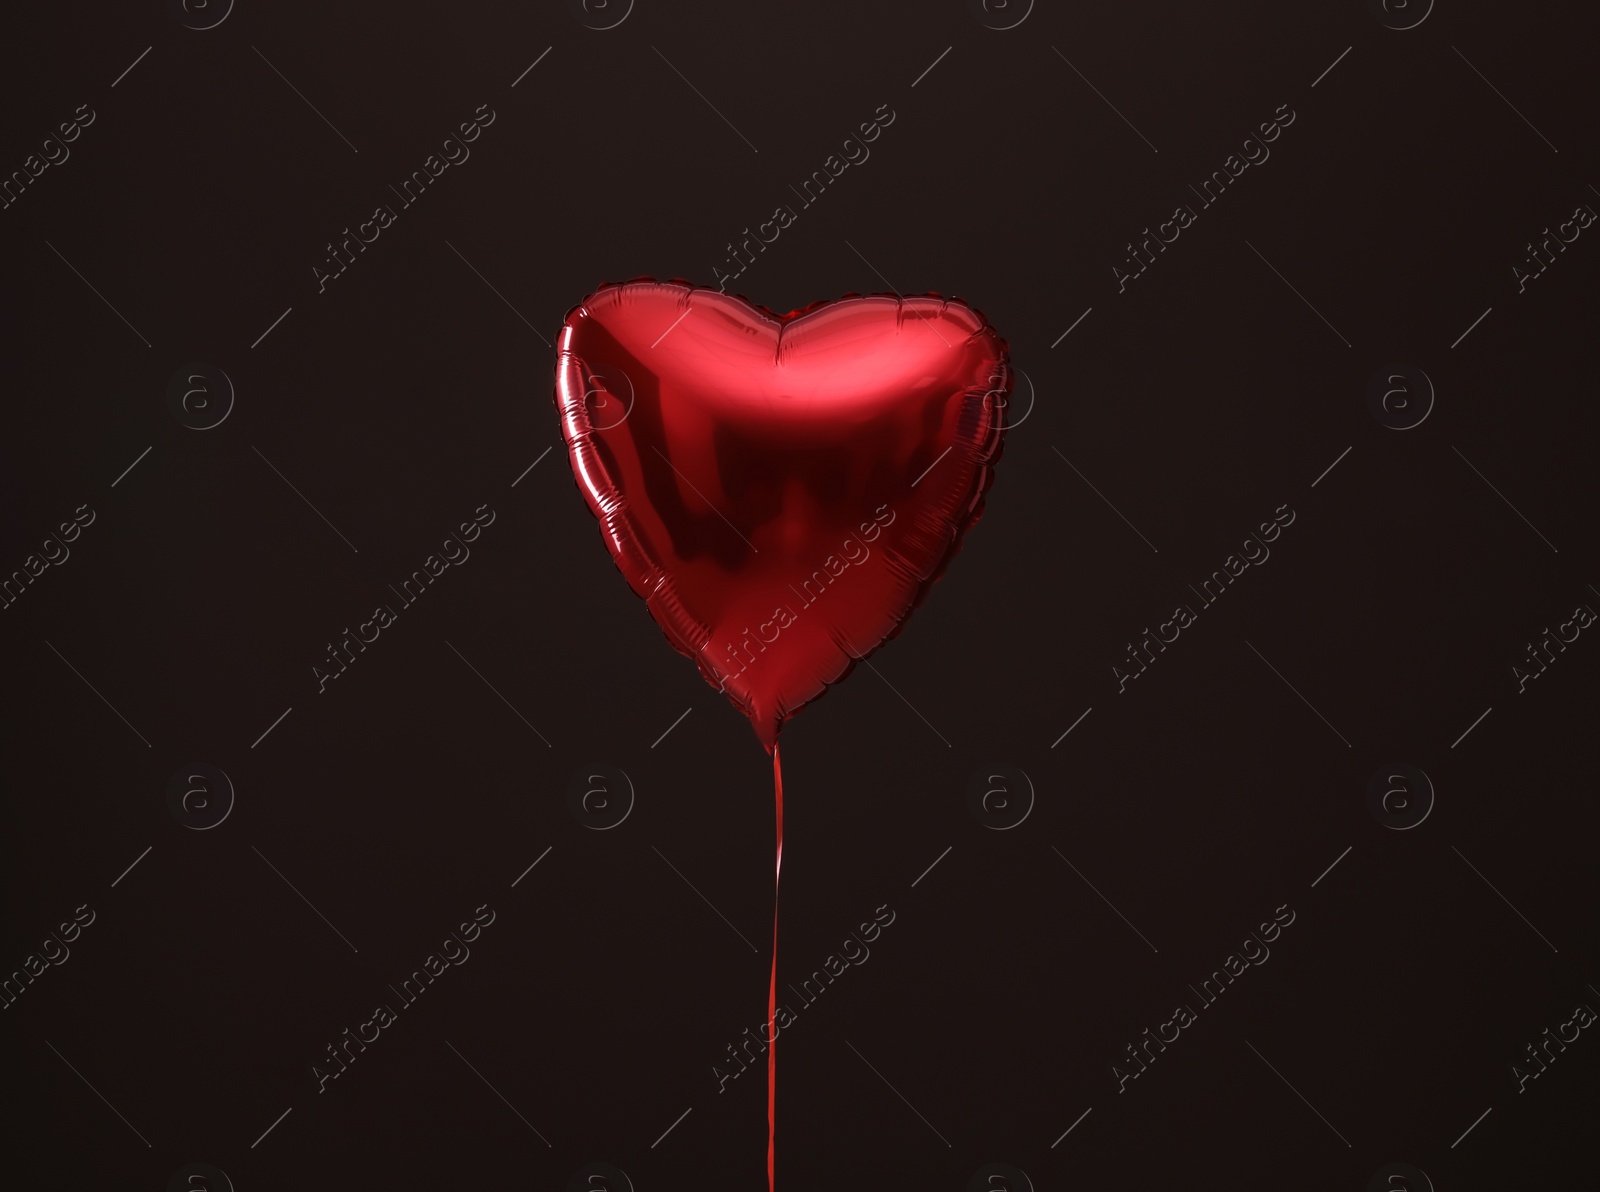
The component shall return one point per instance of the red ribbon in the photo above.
(772, 988)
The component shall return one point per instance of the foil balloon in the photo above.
(780, 489)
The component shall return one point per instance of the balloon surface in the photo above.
(780, 489)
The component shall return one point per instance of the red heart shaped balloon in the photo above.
(781, 490)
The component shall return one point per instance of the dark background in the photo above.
(1196, 802)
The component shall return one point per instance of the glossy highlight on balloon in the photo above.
(780, 489)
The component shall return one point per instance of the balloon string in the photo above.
(772, 988)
